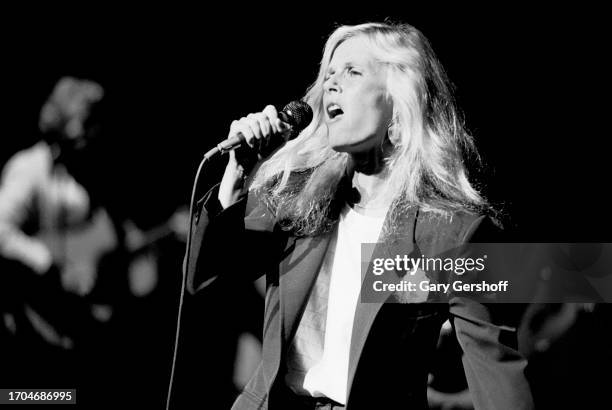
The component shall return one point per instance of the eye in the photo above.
(330, 73)
(352, 71)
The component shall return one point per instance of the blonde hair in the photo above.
(301, 183)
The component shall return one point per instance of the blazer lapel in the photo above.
(297, 277)
(365, 313)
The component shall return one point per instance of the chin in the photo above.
(339, 146)
(351, 147)
(341, 142)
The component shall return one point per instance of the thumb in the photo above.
(282, 126)
(232, 156)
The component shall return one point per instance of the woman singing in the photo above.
(383, 158)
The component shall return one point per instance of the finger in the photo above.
(272, 114)
(232, 157)
(264, 127)
(242, 127)
(253, 124)
(246, 131)
(232, 130)
(282, 126)
(275, 121)
(267, 129)
(264, 124)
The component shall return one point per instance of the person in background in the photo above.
(45, 271)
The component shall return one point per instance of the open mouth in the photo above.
(333, 111)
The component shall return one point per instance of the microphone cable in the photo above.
(210, 154)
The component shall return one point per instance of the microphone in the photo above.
(297, 114)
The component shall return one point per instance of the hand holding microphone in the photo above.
(263, 132)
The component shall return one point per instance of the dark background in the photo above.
(529, 82)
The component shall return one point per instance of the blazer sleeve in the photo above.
(494, 368)
(225, 242)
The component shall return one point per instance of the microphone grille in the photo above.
(299, 114)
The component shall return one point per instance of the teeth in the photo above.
(333, 110)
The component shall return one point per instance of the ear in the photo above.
(393, 134)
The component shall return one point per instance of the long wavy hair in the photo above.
(304, 182)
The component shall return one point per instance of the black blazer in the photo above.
(392, 343)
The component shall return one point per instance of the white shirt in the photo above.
(325, 372)
(32, 188)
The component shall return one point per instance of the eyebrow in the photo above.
(346, 65)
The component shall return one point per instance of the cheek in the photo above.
(374, 113)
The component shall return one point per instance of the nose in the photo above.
(331, 84)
